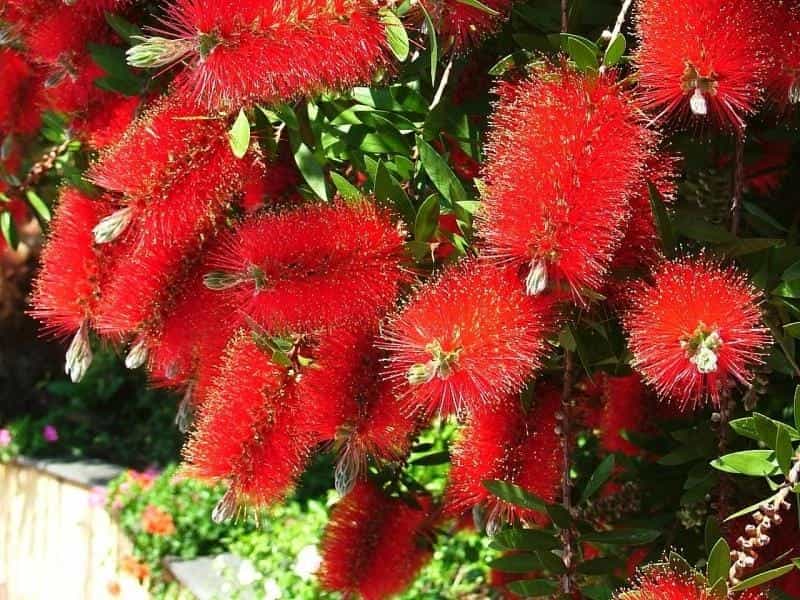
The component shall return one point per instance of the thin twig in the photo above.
(626, 5)
(738, 182)
(442, 84)
(564, 16)
(568, 534)
(724, 481)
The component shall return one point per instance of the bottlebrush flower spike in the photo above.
(556, 190)
(246, 430)
(466, 340)
(703, 58)
(504, 442)
(167, 140)
(463, 26)
(374, 545)
(625, 404)
(783, 81)
(695, 331)
(348, 403)
(20, 94)
(312, 267)
(267, 52)
(665, 581)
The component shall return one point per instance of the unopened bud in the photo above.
(112, 226)
(794, 91)
(157, 51)
(220, 280)
(137, 355)
(226, 508)
(79, 355)
(698, 102)
(421, 373)
(536, 281)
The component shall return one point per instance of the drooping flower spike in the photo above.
(463, 26)
(247, 432)
(564, 152)
(349, 403)
(466, 340)
(783, 80)
(505, 442)
(21, 91)
(313, 267)
(703, 58)
(236, 53)
(695, 331)
(374, 545)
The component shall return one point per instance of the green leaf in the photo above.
(598, 478)
(123, 27)
(9, 229)
(346, 189)
(719, 562)
(662, 220)
(533, 588)
(559, 515)
(693, 227)
(788, 289)
(783, 450)
(427, 220)
(797, 407)
(792, 272)
(396, 35)
(239, 135)
(792, 329)
(749, 509)
(509, 62)
(755, 463)
(434, 45)
(712, 533)
(744, 246)
(615, 50)
(38, 205)
(583, 52)
(515, 495)
(480, 6)
(516, 563)
(762, 578)
(626, 537)
(599, 566)
(526, 539)
(388, 190)
(311, 170)
(440, 172)
(434, 458)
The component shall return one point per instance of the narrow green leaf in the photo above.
(689, 225)
(396, 35)
(598, 478)
(762, 578)
(663, 222)
(388, 190)
(434, 45)
(509, 62)
(719, 561)
(559, 515)
(515, 494)
(480, 6)
(783, 450)
(427, 220)
(442, 176)
(38, 206)
(797, 407)
(600, 566)
(239, 135)
(434, 458)
(749, 509)
(788, 289)
(311, 170)
(516, 563)
(346, 189)
(526, 539)
(792, 329)
(533, 588)
(9, 229)
(754, 463)
(712, 533)
(627, 537)
(615, 50)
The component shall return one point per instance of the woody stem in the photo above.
(567, 534)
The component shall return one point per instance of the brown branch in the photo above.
(738, 182)
(40, 168)
(564, 16)
(568, 534)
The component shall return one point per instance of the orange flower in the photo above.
(157, 522)
(131, 566)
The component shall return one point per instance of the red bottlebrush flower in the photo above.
(268, 52)
(59, 32)
(168, 231)
(695, 330)
(463, 26)
(65, 291)
(504, 442)
(247, 430)
(466, 340)
(374, 544)
(316, 266)
(663, 582)
(640, 246)
(20, 88)
(702, 58)
(104, 125)
(624, 409)
(563, 152)
(161, 145)
(349, 403)
(783, 81)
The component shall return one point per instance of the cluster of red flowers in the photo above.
(665, 582)
(280, 322)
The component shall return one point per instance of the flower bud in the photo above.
(112, 226)
(79, 355)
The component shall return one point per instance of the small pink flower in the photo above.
(50, 433)
(97, 497)
(5, 438)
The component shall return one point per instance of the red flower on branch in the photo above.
(695, 331)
